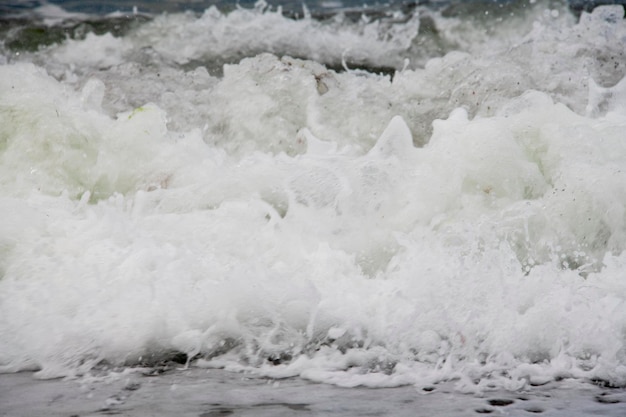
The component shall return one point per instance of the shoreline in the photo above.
(211, 393)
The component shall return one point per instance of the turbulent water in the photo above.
(401, 195)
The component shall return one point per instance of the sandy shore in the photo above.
(214, 393)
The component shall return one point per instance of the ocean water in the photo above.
(370, 196)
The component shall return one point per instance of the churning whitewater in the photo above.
(407, 198)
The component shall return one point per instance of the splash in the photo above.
(459, 221)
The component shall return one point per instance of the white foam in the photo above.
(344, 227)
(238, 34)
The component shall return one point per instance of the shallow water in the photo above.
(401, 198)
(214, 393)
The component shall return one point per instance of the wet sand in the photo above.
(213, 393)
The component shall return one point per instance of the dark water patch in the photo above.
(227, 410)
(109, 412)
(218, 412)
(484, 10)
(535, 410)
(606, 384)
(159, 360)
(132, 386)
(606, 398)
(359, 66)
(297, 407)
(294, 406)
(319, 9)
(159, 364)
(279, 358)
(579, 6)
(500, 402)
(539, 382)
(157, 371)
(31, 35)
(21, 35)
(484, 410)
(179, 357)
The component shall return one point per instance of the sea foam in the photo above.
(461, 220)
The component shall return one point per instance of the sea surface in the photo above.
(357, 194)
